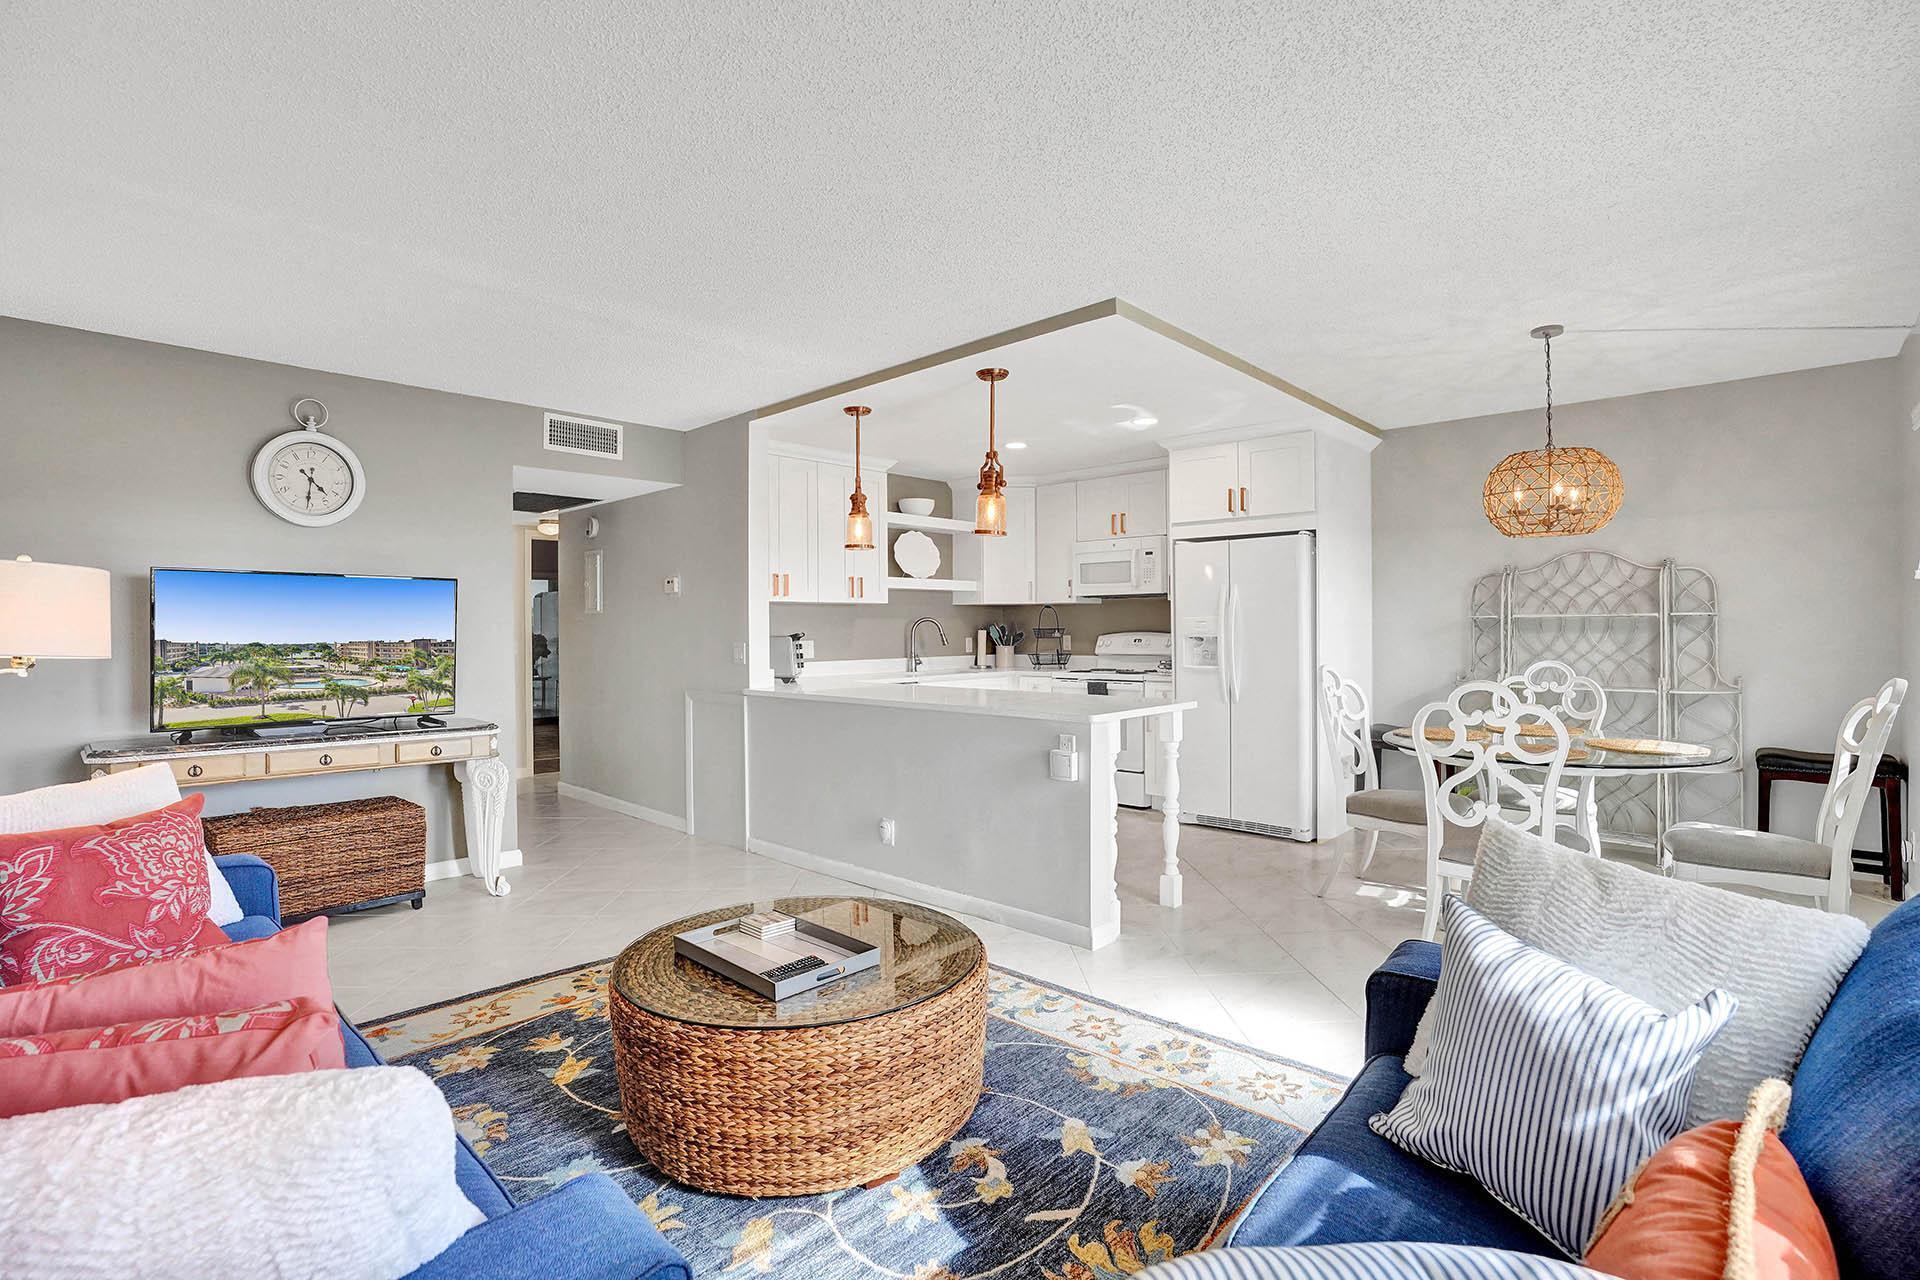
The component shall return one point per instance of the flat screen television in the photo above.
(241, 649)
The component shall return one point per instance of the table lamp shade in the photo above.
(54, 611)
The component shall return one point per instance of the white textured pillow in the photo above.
(108, 799)
(324, 1175)
(1670, 942)
(1383, 1260)
(1544, 1085)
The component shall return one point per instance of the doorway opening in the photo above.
(543, 641)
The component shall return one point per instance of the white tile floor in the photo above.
(1253, 955)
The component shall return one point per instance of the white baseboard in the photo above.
(640, 811)
(458, 867)
(951, 899)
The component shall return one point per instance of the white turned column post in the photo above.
(1170, 729)
(483, 794)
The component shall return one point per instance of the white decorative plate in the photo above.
(916, 554)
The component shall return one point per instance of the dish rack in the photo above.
(1057, 656)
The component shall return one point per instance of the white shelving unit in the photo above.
(931, 584)
(1650, 634)
(928, 524)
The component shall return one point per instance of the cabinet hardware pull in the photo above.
(194, 771)
(326, 759)
(786, 584)
(1123, 522)
(1113, 525)
(849, 586)
(1229, 499)
(434, 751)
(1243, 499)
(773, 588)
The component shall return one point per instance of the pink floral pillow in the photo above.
(91, 898)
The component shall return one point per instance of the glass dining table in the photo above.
(1588, 760)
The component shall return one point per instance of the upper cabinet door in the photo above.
(834, 562)
(1002, 566)
(1277, 475)
(793, 504)
(1203, 483)
(1098, 517)
(1143, 510)
(1055, 520)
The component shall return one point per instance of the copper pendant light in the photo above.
(859, 523)
(1555, 491)
(990, 512)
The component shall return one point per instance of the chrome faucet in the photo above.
(913, 641)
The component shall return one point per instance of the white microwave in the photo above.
(1120, 567)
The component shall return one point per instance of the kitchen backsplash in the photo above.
(841, 631)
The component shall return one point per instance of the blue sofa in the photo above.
(1854, 1128)
(586, 1230)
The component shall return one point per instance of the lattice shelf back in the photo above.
(1650, 634)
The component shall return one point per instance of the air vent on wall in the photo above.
(578, 435)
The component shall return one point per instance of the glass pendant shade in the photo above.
(990, 511)
(859, 523)
(1556, 491)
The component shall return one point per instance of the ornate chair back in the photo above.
(1487, 735)
(1345, 718)
(1856, 758)
(1579, 699)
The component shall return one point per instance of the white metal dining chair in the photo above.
(1582, 704)
(1346, 718)
(1487, 768)
(1822, 867)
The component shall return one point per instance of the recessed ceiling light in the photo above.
(1016, 444)
(1145, 420)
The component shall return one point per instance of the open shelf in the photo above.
(931, 584)
(927, 524)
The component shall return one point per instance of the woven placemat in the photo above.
(1650, 747)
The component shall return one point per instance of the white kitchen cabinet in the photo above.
(1003, 567)
(1129, 506)
(1270, 476)
(792, 529)
(843, 576)
(1276, 474)
(1055, 513)
(1203, 483)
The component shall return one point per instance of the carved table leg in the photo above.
(483, 794)
(1170, 730)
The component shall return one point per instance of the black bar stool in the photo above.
(1784, 764)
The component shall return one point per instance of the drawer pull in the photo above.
(436, 750)
(194, 771)
(326, 759)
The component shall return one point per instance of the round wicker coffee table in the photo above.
(727, 1091)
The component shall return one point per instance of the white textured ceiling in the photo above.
(1091, 396)
(678, 211)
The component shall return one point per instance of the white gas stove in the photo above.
(1136, 664)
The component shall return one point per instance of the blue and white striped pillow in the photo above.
(1546, 1086)
(1386, 1260)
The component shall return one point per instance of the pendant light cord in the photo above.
(1548, 340)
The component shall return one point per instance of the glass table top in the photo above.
(1583, 757)
(922, 953)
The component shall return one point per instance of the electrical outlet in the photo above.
(1063, 762)
(739, 653)
(969, 644)
(671, 586)
(888, 832)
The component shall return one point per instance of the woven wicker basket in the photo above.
(788, 1111)
(332, 856)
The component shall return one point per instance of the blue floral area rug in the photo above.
(1104, 1141)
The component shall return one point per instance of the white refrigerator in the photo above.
(1244, 650)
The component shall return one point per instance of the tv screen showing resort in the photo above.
(237, 648)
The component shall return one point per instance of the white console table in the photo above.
(470, 747)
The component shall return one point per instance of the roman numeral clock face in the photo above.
(308, 478)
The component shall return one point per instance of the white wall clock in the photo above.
(306, 476)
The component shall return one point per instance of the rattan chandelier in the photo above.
(1555, 491)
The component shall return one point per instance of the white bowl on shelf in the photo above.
(916, 506)
(917, 555)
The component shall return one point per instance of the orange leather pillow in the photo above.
(158, 1055)
(1709, 1205)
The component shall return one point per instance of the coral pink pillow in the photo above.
(157, 1055)
(90, 898)
(290, 965)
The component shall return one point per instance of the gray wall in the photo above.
(842, 631)
(1906, 382)
(1785, 488)
(624, 673)
(126, 455)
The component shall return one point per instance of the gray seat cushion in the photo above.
(1706, 844)
(1409, 807)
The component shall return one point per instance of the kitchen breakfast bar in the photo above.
(1001, 802)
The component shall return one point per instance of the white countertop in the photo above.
(960, 693)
